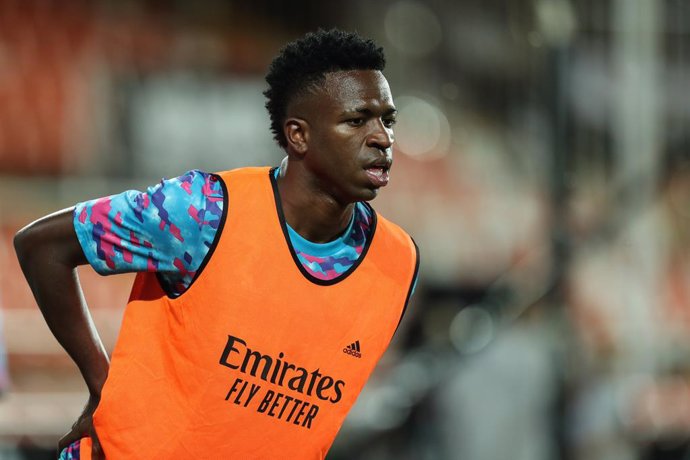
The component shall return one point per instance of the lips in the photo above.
(378, 175)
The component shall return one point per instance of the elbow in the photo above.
(20, 242)
(30, 242)
(50, 239)
(23, 243)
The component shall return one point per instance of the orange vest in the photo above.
(256, 360)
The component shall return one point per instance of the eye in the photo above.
(355, 121)
(389, 122)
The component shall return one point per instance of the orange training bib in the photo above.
(256, 360)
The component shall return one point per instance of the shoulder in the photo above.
(244, 173)
(195, 182)
(396, 238)
(192, 191)
(393, 230)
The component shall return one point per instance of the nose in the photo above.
(381, 137)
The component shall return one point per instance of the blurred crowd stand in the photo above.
(542, 163)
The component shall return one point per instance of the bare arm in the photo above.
(49, 252)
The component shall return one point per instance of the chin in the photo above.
(359, 194)
(368, 195)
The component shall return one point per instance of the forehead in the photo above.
(351, 88)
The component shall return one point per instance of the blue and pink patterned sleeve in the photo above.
(71, 452)
(169, 229)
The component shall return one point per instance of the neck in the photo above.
(310, 211)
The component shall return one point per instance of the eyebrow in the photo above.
(365, 111)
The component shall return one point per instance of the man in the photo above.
(264, 297)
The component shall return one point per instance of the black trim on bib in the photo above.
(414, 278)
(283, 226)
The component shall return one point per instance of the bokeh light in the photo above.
(422, 130)
(412, 28)
(472, 330)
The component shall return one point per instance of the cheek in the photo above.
(343, 149)
(347, 155)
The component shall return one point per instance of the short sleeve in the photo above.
(168, 228)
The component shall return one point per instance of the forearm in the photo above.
(62, 304)
(48, 258)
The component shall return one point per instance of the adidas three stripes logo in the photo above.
(353, 349)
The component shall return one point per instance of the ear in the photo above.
(297, 134)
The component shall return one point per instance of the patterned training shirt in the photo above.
(170, 227)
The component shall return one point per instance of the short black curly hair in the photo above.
(305, 61)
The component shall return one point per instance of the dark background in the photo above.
(541, 165)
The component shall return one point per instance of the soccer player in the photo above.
(264, 296)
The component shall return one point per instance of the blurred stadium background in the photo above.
(542, 165)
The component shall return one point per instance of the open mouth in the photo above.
(378, 175)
